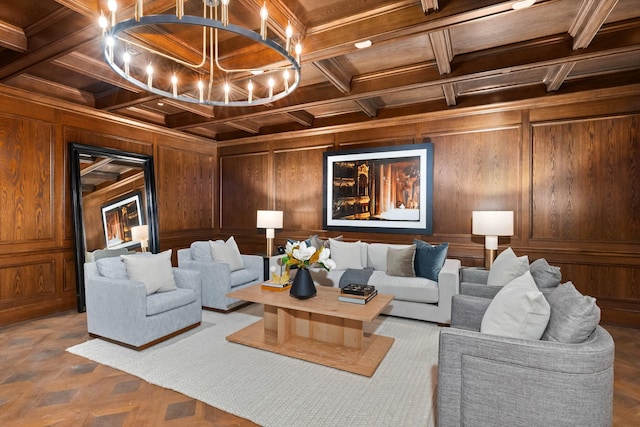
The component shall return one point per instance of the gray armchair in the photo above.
(473, 281)
(217, 278)
(488, 380)
(119, 309)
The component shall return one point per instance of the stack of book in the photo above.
(357, 294)
(270, 285)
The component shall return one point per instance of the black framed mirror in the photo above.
(112, 192)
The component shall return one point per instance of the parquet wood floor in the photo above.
(43, 385)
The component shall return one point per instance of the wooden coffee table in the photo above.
(321, 329)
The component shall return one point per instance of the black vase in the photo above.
(303, 287)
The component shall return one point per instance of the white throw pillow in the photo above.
(506, 267)
(346, 254)
(519, 310)
(155, 271)
(227, 252)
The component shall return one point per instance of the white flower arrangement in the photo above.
(302, 256)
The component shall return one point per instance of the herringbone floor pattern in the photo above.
(43, 385)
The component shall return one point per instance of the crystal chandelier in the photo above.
(181, 56)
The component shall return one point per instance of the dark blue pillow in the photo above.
(429, 259)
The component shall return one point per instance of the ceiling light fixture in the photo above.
(207, 81)
(364, 44)
(522, 4)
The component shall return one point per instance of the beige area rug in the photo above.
(275, 390)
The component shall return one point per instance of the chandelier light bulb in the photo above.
(289, 33)
(264, 15)
(112, 6)
(271, 84)
(174, 85)
(150, 75)
(200, 90)
(102, 21)
(285, 76)
(250, 88)
(298, 52)
(227, 89)
(126, 57)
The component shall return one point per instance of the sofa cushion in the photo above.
(319, 243)
(228, 253)
(400, 261)
(154, 270)
(519, 310)
(377, 254)
(574, 316)
(545, 275)
(164, 301)
(112, 267)
(201, 251)
(415, 289)
(506, 267)
(429, 259)
(242, 276)
(346, 254)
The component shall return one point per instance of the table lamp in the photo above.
(140, 233)
(492, 224)
(269, 220)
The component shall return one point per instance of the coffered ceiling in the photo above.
(426, 55)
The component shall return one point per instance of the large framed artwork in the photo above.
(387, 189)
(118, 218)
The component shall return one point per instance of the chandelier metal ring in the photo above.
(120, 27)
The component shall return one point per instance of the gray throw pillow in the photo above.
(112, 267)
(545, 275)
(201, 251)
(400, 261)
(573, 316)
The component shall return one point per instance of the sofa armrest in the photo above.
(478, 373)
(218, 273)
(184, 255)
(188, 279)
(254, 263)
(448, 284)
(474, 275)
(117, 300)
(479, 290)
(467, 311)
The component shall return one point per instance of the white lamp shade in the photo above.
(139, 233)
(492, 223)
(269, 219)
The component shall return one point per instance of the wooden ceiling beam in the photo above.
(301, 117)
(368, 106)
(429, 6)
(47, 87)
(12, 37)
(442, 49)
(551, 53)
(120, 98)
(557, 75)
(589, 20)
(449, 94)
(335, 73)
(94, 68)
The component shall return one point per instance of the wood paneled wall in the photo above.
(567, 166)
(569, 172)
(37, 254)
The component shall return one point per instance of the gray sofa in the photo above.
(119, 309)
(217, 278)
(414, 297)
(489, 380)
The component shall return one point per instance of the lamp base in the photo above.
(489, 256)
(269, 247)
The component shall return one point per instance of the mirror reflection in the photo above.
(114, 205)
